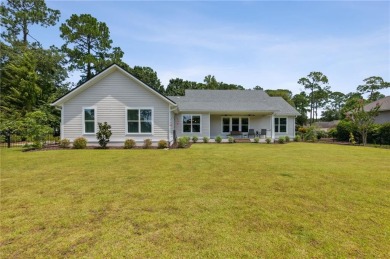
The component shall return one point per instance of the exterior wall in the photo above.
(204, 123)
(383, 117)
(290, 127)
(110, 96)
(257, 123)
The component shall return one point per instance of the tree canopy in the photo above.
(88, 45)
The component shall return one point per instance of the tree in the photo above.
(18, 15)
(284, 93)
(257, 87)
(301, 102)
(88, 45)
(19, 84)
(313, 82)
(211, 82)
(148, 76)
(104, 134)
(372, 86)
(363, 120)
(333, 110)
(36, 127)
(177, 87)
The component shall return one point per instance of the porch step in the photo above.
(242, 140)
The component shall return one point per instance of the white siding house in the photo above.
(136, 111)
(111, 96)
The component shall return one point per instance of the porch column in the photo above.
(209, 136)
(272, 126)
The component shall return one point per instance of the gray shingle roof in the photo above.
(232, 101)
(384, 103)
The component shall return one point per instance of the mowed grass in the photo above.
(212, 200)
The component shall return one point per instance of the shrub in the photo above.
(302, 130)
(343, 129)
(281, 140)
(332, 132)
(147, 143)
(206, 139)
(218, 139)
(268, 140)
(194, 139)
(129, 144)
(321, 134)
(256, 139)
(384, 132)
(352, 139)
(297, 138)
(311, 134)
(162, 144)
(80, 143)
(104, 133)
(287, 138)
(182, 142)
(230, 139)
(64, 143)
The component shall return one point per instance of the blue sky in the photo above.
(271, 44)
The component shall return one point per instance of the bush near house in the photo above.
(218, 139)
(206, 139)
(80, 143)
(64, 143)
(162, 144)
(183, 142)
(256, 139)
(268, 140)
(147, 143)
(129, 144)
(282, 140)
(230, 139)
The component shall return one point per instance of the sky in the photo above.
(250, 43)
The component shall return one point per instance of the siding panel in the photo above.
(111, 95)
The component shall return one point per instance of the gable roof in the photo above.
(232, 101)
(114, 67)
(384, 103)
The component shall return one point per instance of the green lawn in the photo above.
(212, 200)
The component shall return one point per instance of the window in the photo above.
(225, 124)
(235, 124)
(280, 124)
(139, 121)
(89, 120)
(191, 123)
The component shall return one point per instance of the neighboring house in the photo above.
(326, 125)
(384, 110)
(135, 110)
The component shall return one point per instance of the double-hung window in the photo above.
(139, 120)
(89, 117)
(191, 123)
(281, 125)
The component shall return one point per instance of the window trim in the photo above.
(95, 120)
(139, 121)
(278, 125)
(200, 123)
(230, 123)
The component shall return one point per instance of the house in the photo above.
(135, 110)
(326, 125)
(384, 110)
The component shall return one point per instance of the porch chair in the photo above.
(251, 132)
(263, 132)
